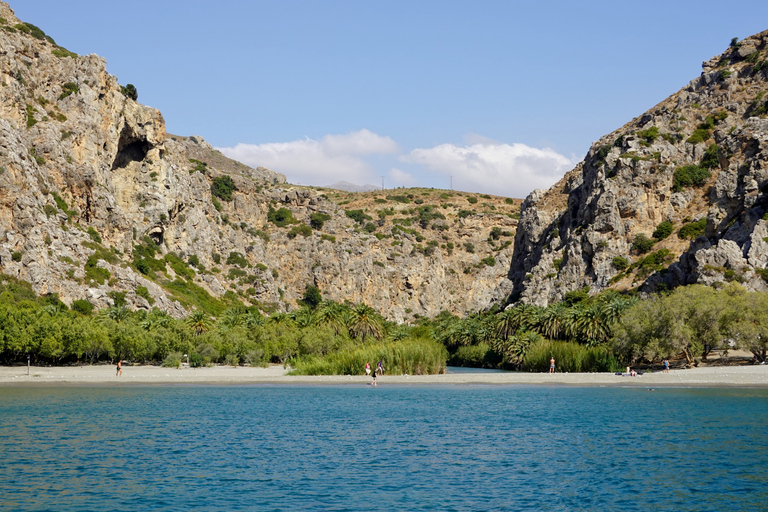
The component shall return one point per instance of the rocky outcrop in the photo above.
(96, 199)
(700, 155)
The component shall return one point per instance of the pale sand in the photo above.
(720, 376)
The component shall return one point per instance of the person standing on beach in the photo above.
(665, 366)
(552, 365)
(119, 369)
(367, 368)
(380, 367)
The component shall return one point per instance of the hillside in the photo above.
(98, 203)
(676, 196)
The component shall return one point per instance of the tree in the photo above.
(222, 187)
(198, 321)
(365, 321)
(129, 91)
(332, 313)
(312, 296)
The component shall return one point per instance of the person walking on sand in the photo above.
(665, 366)
(367, 368)
(119, 369)
(374, 380)
(552, 365)
(380, 367)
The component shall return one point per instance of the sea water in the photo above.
(393, 447)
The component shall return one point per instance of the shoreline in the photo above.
(104, 375)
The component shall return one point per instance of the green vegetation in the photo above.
(689, 176)
(317, 220)
(642, 243)
(129, 91)
(358, 216)
(649, 135)
(663, 230)
(620, 262)
(235, 258)
(68, 89)
(222, 187)
(692, 230)
(281, 218)
(301, 229)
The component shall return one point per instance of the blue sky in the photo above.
(503, 96)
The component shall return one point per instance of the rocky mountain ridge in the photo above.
(677, 196)
(99, 203)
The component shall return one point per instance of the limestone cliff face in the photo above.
(581, 231)
(88, 176)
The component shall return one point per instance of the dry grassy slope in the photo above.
(570, 234)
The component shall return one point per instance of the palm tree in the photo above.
(331, 313)
(198, 321)
(232, 317)
(254, 319)
(116, 313)
(506, 323)
(365, 321)
(590, 324)
(303, 317)
(552, 321)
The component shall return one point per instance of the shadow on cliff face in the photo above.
(130, 148)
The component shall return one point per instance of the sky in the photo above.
(485, 96)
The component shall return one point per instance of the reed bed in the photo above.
(406, 357)
(569, 357)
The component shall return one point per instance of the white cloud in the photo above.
(312, 162)
(400, 178)
(494, 168)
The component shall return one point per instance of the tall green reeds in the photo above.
(409, 356)
(569, 357)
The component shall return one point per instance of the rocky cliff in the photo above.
(99, 203)
(677, 196)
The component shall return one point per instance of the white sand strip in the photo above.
(745, 376)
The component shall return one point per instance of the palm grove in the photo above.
(584, 333)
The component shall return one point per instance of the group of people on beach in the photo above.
(379, 370)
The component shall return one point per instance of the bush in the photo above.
(143, 292)
(654, 262)
(710, 158)
(317, 220)
(172, 360)
(689, 176)
(488, 261)
(649, 135)
(620, 263)
(68, 89)
(302, 229)
(82, 306)
(693, 229)
(642, 244)
(222, 187)
(129, 91)
(281, 217)
(94, 234)
(358, 216)
(235, 258)
(16, 256)
(472, 199)
(663, 230)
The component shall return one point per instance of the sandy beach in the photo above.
(744, 376)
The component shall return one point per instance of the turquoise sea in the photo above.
(352, 448)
